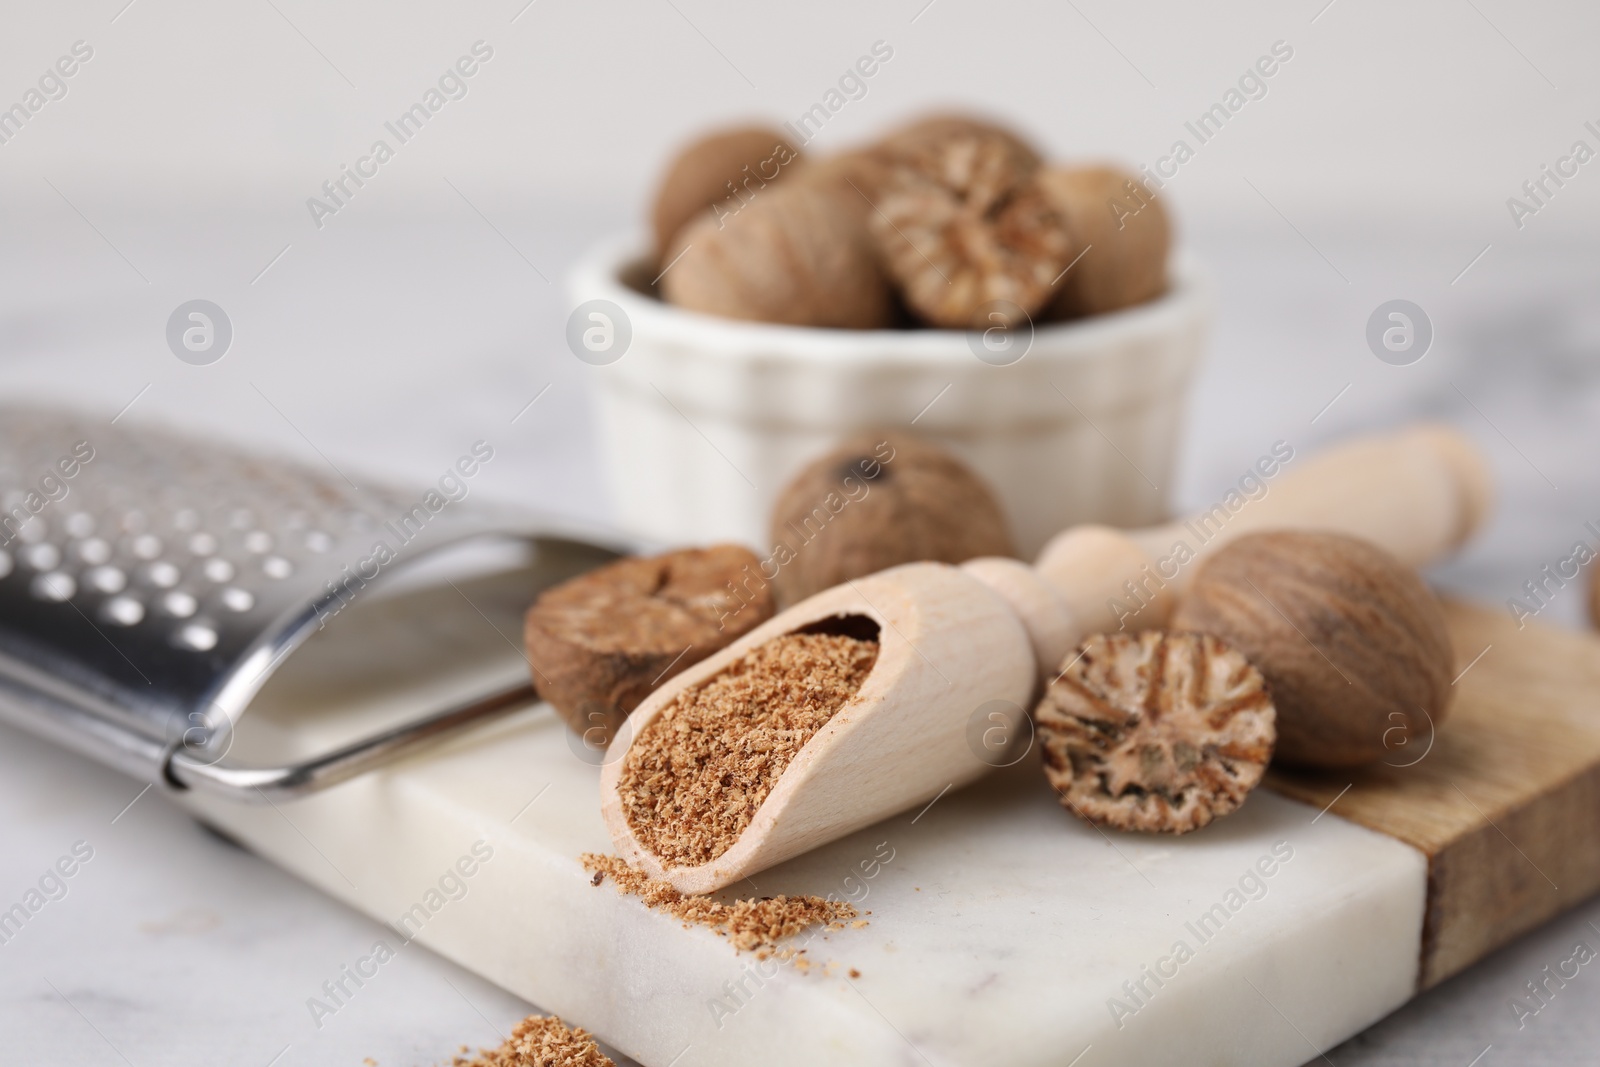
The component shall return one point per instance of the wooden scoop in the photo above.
(963, 649)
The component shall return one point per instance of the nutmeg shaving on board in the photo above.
(692, 780)
(756, 925)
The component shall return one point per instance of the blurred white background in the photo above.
(180, 160)
(1428, 112)
(428, 311)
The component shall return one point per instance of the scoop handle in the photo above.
(1419, 492)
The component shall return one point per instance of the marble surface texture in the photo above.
(390, 344)
(999, 929)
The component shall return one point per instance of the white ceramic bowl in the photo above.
(703, 419)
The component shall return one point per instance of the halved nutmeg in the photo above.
(601, 642)
(1154, 731)
(964, 228)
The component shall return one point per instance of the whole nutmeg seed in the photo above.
(1352, 643)
(876, 501)
(726, 167)
(797, 253)
(1122, 233)
(860, 169)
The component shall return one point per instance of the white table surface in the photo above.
(390, 344)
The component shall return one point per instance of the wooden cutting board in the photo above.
(1003, 930)
(1506, 801)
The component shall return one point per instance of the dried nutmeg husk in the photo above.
(1152, 731)
(797, 253)
(1352, 643)
(963, 228)
(601, 642)
(1121, 235)
(720, 170)
(876, 501)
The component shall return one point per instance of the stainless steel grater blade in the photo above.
(151, 583)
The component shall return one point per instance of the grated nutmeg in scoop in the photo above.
(695, 776)
(1157, 732)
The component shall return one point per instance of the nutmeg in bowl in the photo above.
(911, 283)
(703, 419)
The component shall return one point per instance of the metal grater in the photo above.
(151, 583)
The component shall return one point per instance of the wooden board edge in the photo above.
(1491, 886)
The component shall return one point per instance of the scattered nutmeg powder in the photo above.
(756, 925)
(692, 780)
(542, 1041)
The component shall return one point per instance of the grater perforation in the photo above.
(150, 582)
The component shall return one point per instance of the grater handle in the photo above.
(185, 770)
